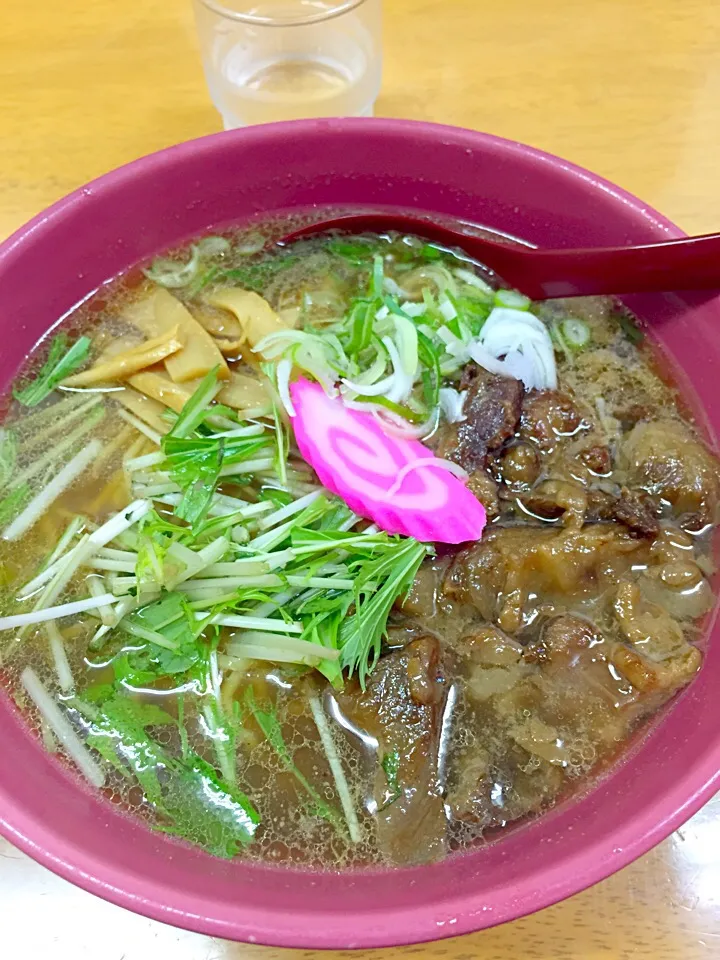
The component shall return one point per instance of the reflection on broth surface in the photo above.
(227, 650)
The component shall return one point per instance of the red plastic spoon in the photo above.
(692, 263)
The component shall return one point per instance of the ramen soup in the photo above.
(270, 666)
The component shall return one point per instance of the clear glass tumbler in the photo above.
(284, 59)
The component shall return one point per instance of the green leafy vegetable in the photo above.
(431, 376)
(118, 734)
(378, 276)
(195, 464)
(282, 445)
(199, 805)
(223, 736)
(281, 498)
(360, 321)
(629, 327)
(324, 618)
(406, 413)
(195, 409)
(391, 769)
(98, 692)
(206, 810)
(357, 252)
(361, 633)
(60, 363)
(268, 722)
(256, 275)
(171, 620)
(11, 505)
(8, 455)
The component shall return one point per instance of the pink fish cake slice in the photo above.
(397, 483)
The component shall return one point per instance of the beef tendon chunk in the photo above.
(665, 678)
(510, 568)
(491, 409)
(597, 459)
(574, 660)
(664, 459)
(495, 662)
(678, 586)
(519, 466)
(657, 657)
(549, 417)
(554, 499)
(490, 647)
(420, 601)
(540, 739)
(485, 489)
(401, 708)
(633, 508)
(563, 639)
(469, 797)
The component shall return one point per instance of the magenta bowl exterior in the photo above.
(104, 228)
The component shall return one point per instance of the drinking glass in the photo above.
(284, 59)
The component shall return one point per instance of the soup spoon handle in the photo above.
(690, 263)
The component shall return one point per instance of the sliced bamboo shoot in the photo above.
(231, 348)
(141, 314)
(159, 386)
(244, 392)
(255, 314)
(147, 409)
(219, 323)
(130, 361)
(200, 354)
(120, 344)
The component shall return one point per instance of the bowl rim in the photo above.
(458, 914)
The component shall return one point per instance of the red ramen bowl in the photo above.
(104, 228)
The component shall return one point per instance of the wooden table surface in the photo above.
(628, 88)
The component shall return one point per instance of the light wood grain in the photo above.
(629, 88)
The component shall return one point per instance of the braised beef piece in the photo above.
(636, 512)
(566, 499)
(632, 508)
(491, 791)
(562, 637)
(490, 647)
(657, 657)
(485, 488)
(664, 459)
(536, 725)
(548, 416)
(597, 459)
(529, 721)
(420, 601)
(553, 499)
(519, 465)
(471, 790)
(491, 409)
(494, 662)
(402, 709)
(629, 416)
(580, 689)
(513, 566)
